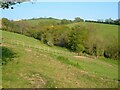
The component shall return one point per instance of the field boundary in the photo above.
(38, 47)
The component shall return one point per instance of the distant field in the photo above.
(43, 21)
(103, 29)
(31, 67)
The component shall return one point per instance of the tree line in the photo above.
(106, 21)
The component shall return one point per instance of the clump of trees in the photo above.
(78, 19)
(79, 39)
(76, 37)
(65, 21)
(106, 21)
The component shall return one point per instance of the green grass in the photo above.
(104, 30)
(33, 67)
(43, 21)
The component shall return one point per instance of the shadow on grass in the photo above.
(6, 55)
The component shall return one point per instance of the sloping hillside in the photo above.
(29, 63)
(43, 21)
(105, 30)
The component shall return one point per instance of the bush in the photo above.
(79, 48)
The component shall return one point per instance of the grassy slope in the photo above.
(104, 30)
(37, 68)
(43, 21)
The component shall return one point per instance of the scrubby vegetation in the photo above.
(76, 35)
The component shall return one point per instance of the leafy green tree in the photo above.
(77, 36)
(5, 4)
(112, 49)
(109, 21)
(65, 21)
(79, 49)
(7, 24)
(78, 19)
(117, 22)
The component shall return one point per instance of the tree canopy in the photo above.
(5, 4)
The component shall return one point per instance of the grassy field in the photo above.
(105, 30)
(29, 66)
(43, 21)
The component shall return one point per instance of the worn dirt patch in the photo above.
(35, 80)
(80, 56)
(28, 50)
